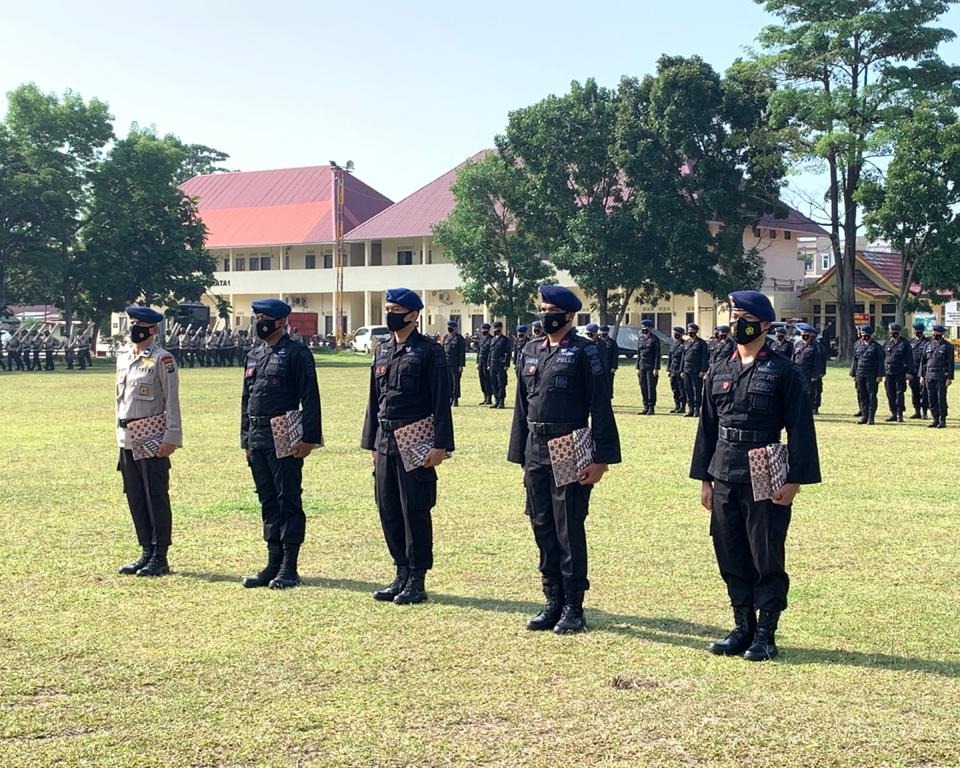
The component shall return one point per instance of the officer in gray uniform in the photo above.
(148, 385)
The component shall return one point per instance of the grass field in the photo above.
(98, 669)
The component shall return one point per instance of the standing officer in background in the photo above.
(148, 384)
(806, 355)
(898, 370)
(408, 383)
(563, 385)
(918, 392)
(279, 376)
(648, 366)
(501, 353)
(49, 348)
(537, 328)
(483, 363)
(455, 351)
(518, 346)
(722, 346)
(937, 374)
(675, 371)
(613, 354)
(867, 371)
(749, 398)
(696, 362)
(782, 345)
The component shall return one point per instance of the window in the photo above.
(286, 261)
(773, 234)
(310, 261)
(254, 263)
(651, 316)
(265, 263)
(239, 263)
(787, 234)
(756, 231)
(888, 309)
(583, 318)
(328, 261)
(825, 259)
(405, 258)
(226, 264)
(454, 319)
(689, 318)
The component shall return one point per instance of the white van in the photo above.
(366, 338)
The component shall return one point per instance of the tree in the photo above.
(500, 261)
(914, 205)
(848, 67)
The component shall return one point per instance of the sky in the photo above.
(407, 90)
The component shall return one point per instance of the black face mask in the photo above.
(866, 337)
(747, 331)
(498, 332)
(553, 321)
(645, 331)
(938, 337)
(139, 333)
(395, 321)
(678, 336)
(266, 328)
(894, 334)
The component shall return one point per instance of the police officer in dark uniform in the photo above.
(781, 345)
(696, 362)
(483, 363)
(675, 370)
(898, 369)
(918, 392)
(937, 374)
(612, 350)
(500, 355)
(562, 387)
(279, 376)
(518, 344)
(408, 383)
(867, 371)
(722, 346)
(537, 329)
(455, 351)
(648, 366)
(749, 398)
(806, 355)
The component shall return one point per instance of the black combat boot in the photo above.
(688, 414)
(274, 559)
(873, 417)
(550, 613)
(495, 404)
(456, 402)
(741, 636)
(287, 576)
(933, 424)
(646, 408)
(916, 415)
(131, 568)
(925, 413)
(650, 411)
(395, 587)
(414, 590)
(696, 412)
(862, 420)
(571, 620)
(892, 418)
(157, 565)
(764, 647)
(501, 406)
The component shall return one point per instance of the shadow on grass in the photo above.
(663, 630)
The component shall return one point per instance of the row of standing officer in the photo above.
(210, 348)
(23, 352)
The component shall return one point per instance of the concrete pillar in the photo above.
(423, 250)
(367, 252)
(367, 309)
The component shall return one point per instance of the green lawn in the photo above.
(98, 669)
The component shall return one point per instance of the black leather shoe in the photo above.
(270, 571)
(916, 415)
(933, 425)
(414, 591)
(287, 576)
(862, 420)
(572, 619)
(942, 425)
(550, 613)
(688, 415)
(395, 587)
(131, 568)
(891, 418)
(157, 565)
(764, 647)
(740, 638)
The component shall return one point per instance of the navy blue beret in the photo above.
(604, 328)
(919, 326)
(592, 327)
(521, 329)
(677, 329)
(647, 323)
(866, 330)
(498, 324)
(723, 329)
(536, 324)
(451, 323)
(143, 314)
(561, 297)
(270, 307)
(405, 298)
(485, 327)
(755, 303)
(693, 327)
(938, 328)
(894, 326)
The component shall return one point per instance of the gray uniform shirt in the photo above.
(148, 384)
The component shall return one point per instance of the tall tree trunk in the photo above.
(845, 295)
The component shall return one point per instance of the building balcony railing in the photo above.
(425, 277)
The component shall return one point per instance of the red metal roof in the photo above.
(282, 207)
(795, 222)
(415, 215)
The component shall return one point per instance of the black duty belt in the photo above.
(554, 427)
(391, 425)
(734, 435)
(262, 419)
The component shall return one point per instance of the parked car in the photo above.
(629, 335)
(366, 338)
